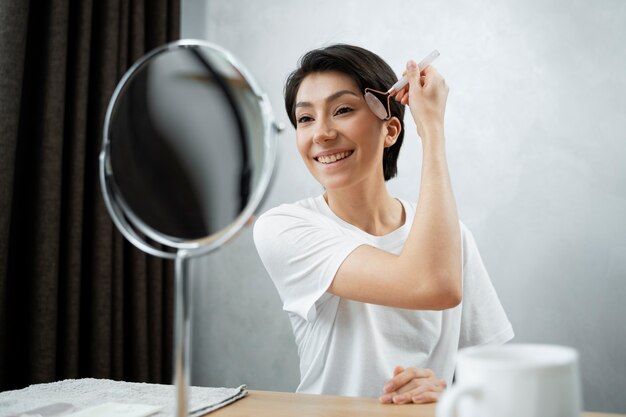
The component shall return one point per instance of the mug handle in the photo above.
(448, 404)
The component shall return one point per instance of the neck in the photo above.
(368, 207)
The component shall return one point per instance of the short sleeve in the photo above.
(483, 320)
(301, 252)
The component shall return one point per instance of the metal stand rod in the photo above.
(182, 332)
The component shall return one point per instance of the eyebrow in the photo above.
(330, 98)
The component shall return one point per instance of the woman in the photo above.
(373, 284)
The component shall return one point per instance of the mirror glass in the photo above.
(188, 145)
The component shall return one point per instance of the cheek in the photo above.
(302, 145)
(373, 137)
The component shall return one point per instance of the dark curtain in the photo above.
(76, 300)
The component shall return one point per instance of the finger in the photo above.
(420, 385)
(412, 386)
(423, 395)
(402, 398)
(433, 386)
(412, 390)
(403, 90)
(386, 399)
(407, 375)
(431, 75)
(413, 74)
(401, 96)
(389, 384)
(430, 71)
(427, 397)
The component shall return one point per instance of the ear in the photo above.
(394, 127)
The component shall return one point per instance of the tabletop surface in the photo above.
(284, 404)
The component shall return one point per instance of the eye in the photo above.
(343, 110)
(304, 119)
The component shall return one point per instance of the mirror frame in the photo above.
(130, 225)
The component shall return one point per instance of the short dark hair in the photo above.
(366, 69)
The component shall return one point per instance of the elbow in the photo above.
(451, 298)
(445, 292)
(451, 288)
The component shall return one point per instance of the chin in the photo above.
(334, 183)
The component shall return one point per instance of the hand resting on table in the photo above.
(412, 385)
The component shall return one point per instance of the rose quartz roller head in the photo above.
(377, 102)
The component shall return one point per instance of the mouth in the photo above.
(331, 159)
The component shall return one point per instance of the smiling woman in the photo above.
(373, 284)
(331, 110)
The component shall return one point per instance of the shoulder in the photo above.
(302, 208)
(300, 211)
(287, 219)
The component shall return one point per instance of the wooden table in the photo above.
(284, 404)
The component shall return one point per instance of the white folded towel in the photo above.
(88, 392)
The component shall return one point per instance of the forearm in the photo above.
(433, 246)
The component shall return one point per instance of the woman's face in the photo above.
(339, 138)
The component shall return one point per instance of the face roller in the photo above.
(376, 102)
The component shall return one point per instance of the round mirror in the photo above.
(188, 151)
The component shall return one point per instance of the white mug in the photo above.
(514, 380)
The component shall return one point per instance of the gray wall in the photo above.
(535, 130)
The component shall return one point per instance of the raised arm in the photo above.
(427, 273)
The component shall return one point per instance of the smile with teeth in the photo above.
(329, 159)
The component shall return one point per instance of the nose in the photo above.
(323, 132)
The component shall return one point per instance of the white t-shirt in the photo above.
(351, 348)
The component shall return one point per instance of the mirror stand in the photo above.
(182, 332)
